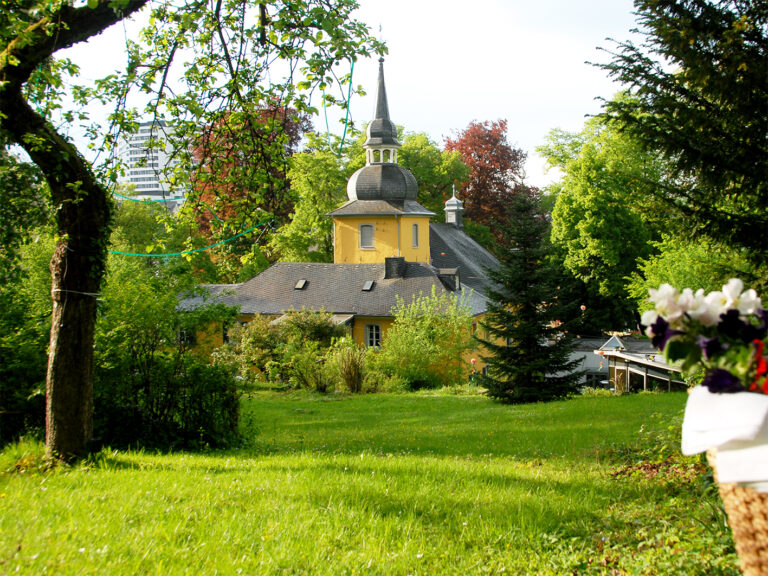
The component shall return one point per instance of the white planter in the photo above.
(736, 425)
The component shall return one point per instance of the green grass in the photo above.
(382, 484)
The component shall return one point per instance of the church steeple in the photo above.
(381, 145)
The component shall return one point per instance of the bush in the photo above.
(180, 402)
(590, 392)
(347, 363)
(290, 352)
(425, 345)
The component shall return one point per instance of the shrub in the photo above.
(347, 363)
(590, 392)
(180, 402)
(425, 345)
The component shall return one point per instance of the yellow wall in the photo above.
(359, 322)
(392, 236)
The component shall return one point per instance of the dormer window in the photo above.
(366, 236)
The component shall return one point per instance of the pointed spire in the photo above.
(382, 132)
(382, 107)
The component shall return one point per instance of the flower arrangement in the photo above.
(719, 336)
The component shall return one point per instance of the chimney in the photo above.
(394, 267)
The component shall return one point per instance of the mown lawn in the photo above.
(382, 484)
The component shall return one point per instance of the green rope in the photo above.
(185, 252)
(346, 118)
(143, 201)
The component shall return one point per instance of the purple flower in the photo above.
(720, 380)
(710, 346)
(662, 333)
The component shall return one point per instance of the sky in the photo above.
(454, 61)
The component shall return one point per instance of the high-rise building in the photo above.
(146, 166)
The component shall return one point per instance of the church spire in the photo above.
(381, 145)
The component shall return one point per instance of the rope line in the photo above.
(346, 117)
(185, 252)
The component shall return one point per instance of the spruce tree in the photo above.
(529, 349)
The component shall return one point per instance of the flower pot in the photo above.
(747, 511)
(733, 430)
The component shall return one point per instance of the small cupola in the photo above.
(454, 211)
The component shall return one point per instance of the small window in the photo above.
(301, 284)
(415, 235)
(373, 335)
(366, 235)
(368, 286)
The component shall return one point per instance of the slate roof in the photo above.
(335, 288)
(450, 247)
(380, 207)
(383, 181)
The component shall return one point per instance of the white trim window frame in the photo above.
(373, 335)
(365, 236)
(415, 235)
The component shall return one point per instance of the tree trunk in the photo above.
(83, 212)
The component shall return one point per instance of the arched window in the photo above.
(415, 235)
(366, 235)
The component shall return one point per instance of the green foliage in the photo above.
(695, 82)
(693, 264)
(424, 346)
(23, 208)
(150, 389)
(528, 342)
(319, 186)
(601, 219)
(346, 362)
(287, 353)
(436, 171)
(25, 309)
(168, 401)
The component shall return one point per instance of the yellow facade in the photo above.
(392, 236)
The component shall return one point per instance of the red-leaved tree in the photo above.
(496, 169)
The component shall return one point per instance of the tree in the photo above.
(699, 95)
(240, 181)
(692, 264)
(495, 169)
(602, 222)
(529, 346)
(229, 49)
(436, 171)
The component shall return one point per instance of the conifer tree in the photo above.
(529, 358)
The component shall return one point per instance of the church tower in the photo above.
(382, 218)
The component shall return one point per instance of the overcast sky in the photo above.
(454, 61)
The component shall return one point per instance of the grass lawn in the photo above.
(382, 484)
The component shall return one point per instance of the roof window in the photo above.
(368, 286)
(301, 284)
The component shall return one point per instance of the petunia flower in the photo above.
(721, 380)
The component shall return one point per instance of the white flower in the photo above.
(746, 302)
(648, 319)
(666, 301)
(705, 309)
(749, 302)
(732, 291)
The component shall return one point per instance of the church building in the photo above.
(385, 248)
